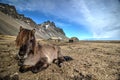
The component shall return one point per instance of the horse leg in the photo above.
(23, 69)
(60, 57)
(60, 61)
(56, 61)
(44, 66)
(41, 65)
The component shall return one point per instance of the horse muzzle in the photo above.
(20, 62)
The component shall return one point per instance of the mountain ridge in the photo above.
(14, 20)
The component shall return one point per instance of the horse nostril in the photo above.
(22, 60)
(21, 53)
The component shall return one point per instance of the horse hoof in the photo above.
(35, 71)
(22, 70)
(60, 65)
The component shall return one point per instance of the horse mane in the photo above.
(23, 36)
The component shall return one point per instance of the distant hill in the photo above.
(10, 21)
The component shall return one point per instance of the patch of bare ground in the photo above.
(91, 61)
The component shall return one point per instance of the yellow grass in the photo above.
(96, 60)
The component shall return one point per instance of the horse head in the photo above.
(26, 41)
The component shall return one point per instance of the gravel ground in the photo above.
(91, 61)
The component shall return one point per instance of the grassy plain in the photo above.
(92, 60)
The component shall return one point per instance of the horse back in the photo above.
(50, 51)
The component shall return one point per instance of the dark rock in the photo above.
(73, 39)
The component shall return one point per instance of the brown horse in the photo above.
(34, 56)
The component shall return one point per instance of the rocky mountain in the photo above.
(50, 30)
(10, 21)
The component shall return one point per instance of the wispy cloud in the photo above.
(101, 17)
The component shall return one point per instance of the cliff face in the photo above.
(44, 30)
(50, 30)
(11, 11)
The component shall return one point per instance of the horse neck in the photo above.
(38, 48)
(35, 47)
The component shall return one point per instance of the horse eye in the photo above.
(23, 47)
(31, 40)
(31, 51)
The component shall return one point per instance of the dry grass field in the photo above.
(94, 60)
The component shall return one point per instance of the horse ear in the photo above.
(21, 28)
(33, 31)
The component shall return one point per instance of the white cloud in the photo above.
(103, 18)
(109, 35)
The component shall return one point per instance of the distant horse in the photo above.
(34, 56)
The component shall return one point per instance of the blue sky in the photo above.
(85, 19)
